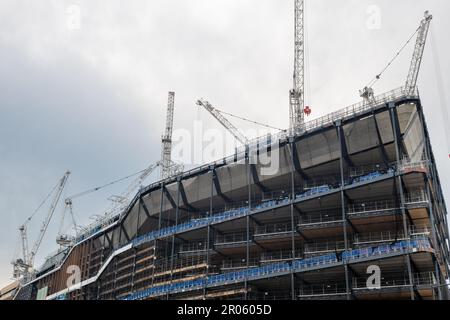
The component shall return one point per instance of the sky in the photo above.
(83, 84)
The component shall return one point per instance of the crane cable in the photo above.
(105, 185)
(42, 203)
(89, 191)
(251, 121)
(378, 76)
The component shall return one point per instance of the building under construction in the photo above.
(354, 189)
(353, 210)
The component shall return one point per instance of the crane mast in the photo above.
(166, 147)
(23, 236)
(296, 95)
(413, 74)
(223, 121)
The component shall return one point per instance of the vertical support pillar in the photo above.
(293, 227)
(161, 205)
(348, 287)
(172, 255)
(395, 130)
(134, 270)
(434, 237)
(247, 218)
(99, 281)
(208, 231)
(135, 249)
(440, 211)
(115, 279)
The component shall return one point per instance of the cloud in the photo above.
(93, 99)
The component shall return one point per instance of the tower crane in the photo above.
(223, 121)
(168, 167)
(118, 205)
(422, 34)
(166, 139)
(297, 93)
(411, 81)
(120, 202)
(297, 109)
(24, 266)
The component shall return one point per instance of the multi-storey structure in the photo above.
(354, 191)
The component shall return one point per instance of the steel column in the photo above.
(293, 227)
(396, 132)
(338, 124)
(247, 218)
(173, 236)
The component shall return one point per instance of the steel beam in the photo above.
(397, 137)
(343, 145)
(217, 186)
(343, 155)
(381, 147)
(296, 161)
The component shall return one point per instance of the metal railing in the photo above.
(270, 229)
(395, 281)
(238, 264)
(165, 265)
(321, 290)
(406, 166)
(281, 255)
(371, 206)
(323, 247)
(390, 236)
(357, 108)
(230, 239)
(417, 196)
(192, 247)
(307, 220)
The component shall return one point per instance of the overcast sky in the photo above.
(90, 94)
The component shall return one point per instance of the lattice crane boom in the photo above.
(411, 81)
(413, 74)
(24, 240)
(120, 202)
(297, 96)
(23, 266)
(131, 189)
(223, 121)
(44, 226)
(166, 141)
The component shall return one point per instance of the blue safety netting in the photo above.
(277, 269)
